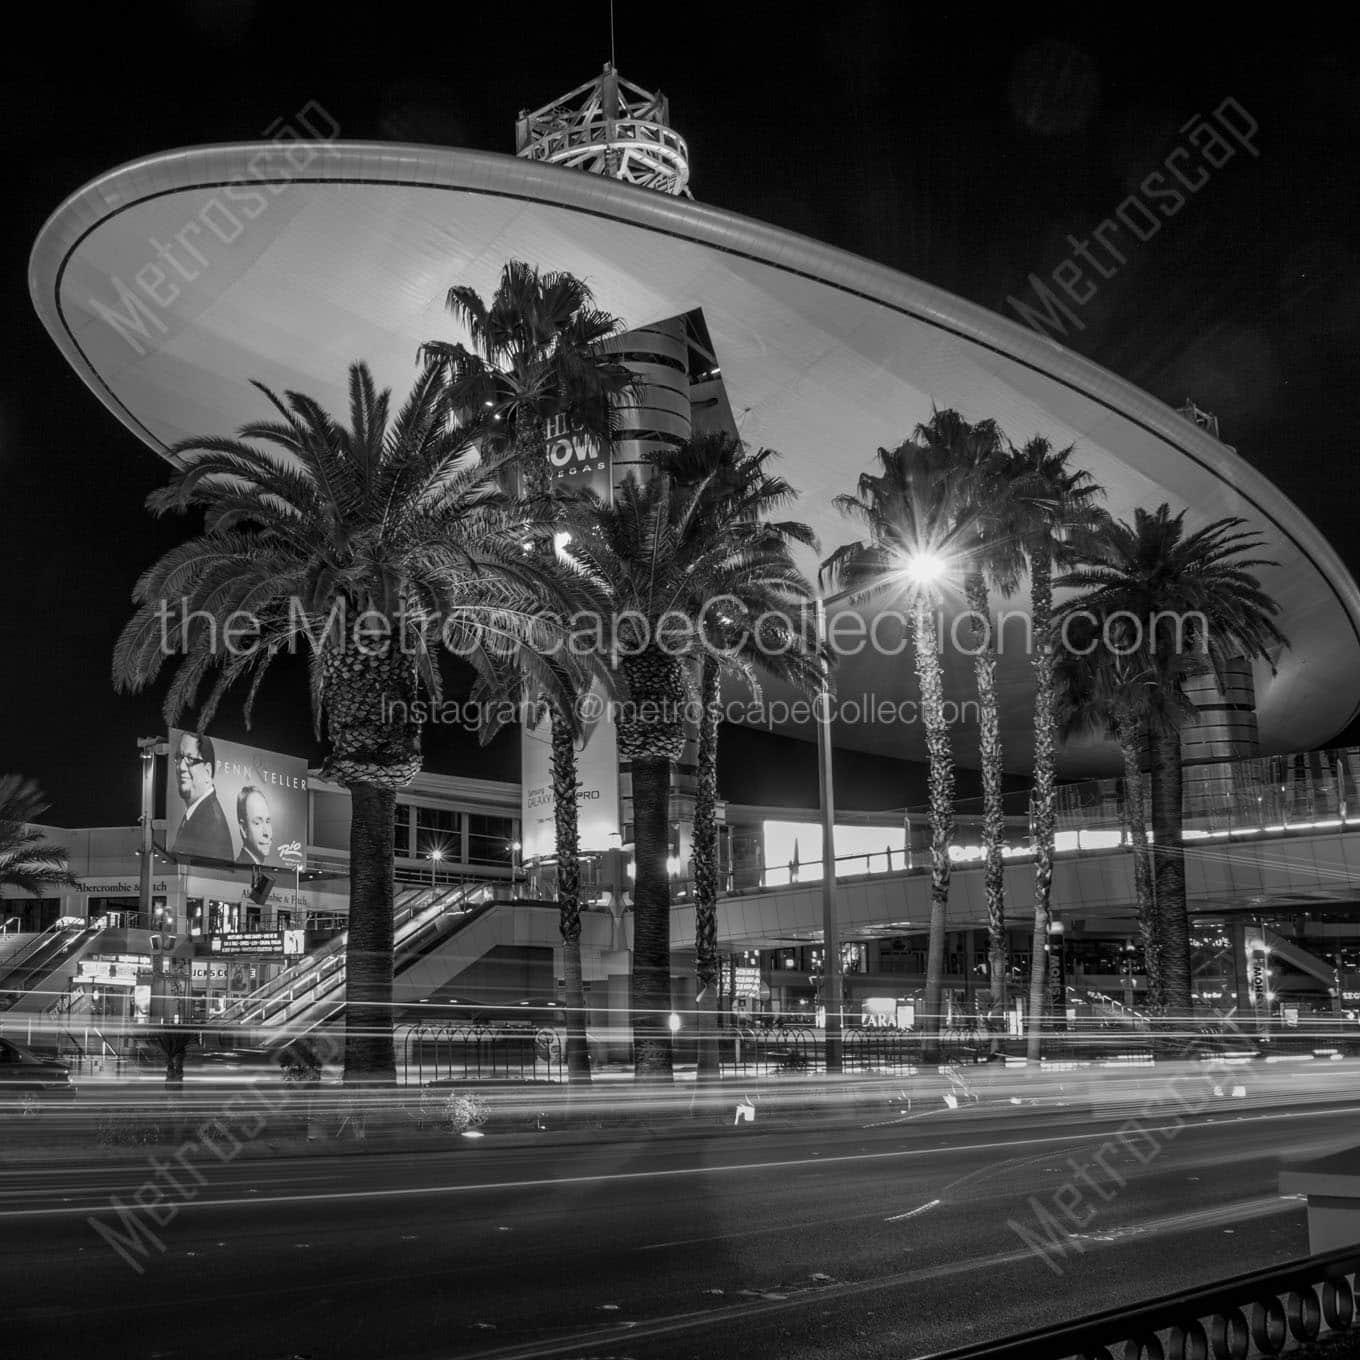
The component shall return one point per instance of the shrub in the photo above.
(450, 1110)
(127, 1128)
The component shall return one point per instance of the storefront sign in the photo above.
(117, 887)
(121, 970)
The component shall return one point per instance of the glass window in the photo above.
(490, 839)
(439, 829)
(402, 829)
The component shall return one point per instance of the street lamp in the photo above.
(831, 939)
(435, 856)
(925, 568)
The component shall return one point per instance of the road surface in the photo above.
(892, 1237)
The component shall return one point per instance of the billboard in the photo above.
(577, 461)
(597, 791)
(226, 803)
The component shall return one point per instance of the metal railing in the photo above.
(1265, 1310)
(447, 1053)
(749, 1051)
(782, 1048)
(1261, 796)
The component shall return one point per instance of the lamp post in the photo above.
(148, 748)
(515, 848)
(435, 856)
(831, 940)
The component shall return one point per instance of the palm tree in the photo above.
(27, 861)
(915, 511)
(537, 356)
(738, 494)
(994, 561)
(1107, 693)
(653, 555)
(364, 541)
(514, 685)
(1194, 601)
(1051, 503)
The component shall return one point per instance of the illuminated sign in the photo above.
(227, 803)
(255, 942)
(1257, 977)
(746, 982)
(597, 786)
(577, 458)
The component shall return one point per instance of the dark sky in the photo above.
(956, 145)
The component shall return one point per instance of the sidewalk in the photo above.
(112, 1119)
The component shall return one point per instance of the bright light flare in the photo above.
(925, 568)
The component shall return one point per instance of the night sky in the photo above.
(953, 145)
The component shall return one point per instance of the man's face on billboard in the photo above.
(193, 772)
(257, 828)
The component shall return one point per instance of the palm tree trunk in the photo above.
(370, 1059)
(651, 777)
(1131, 746)
(1044, 815)
(931, 680)
(706, 870)
(567, 826)
(531, 458)
(993, 811)
(1168, 858)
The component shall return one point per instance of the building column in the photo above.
(1224, 732)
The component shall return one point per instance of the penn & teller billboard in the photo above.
(227, 803)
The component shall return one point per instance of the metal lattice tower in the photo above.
(609, 126)
(1206, 420)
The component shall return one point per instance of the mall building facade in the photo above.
(732, 325)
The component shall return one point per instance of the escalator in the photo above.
(311, 993)
(28, 980)
(1302, 959)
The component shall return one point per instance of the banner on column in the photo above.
(597, 791)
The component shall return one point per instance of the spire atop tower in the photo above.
(609, 126)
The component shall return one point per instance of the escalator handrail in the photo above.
(325, 960)
(20, 961)
(336, 976)
(37, 964)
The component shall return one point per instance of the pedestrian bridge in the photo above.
(1261, 836)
